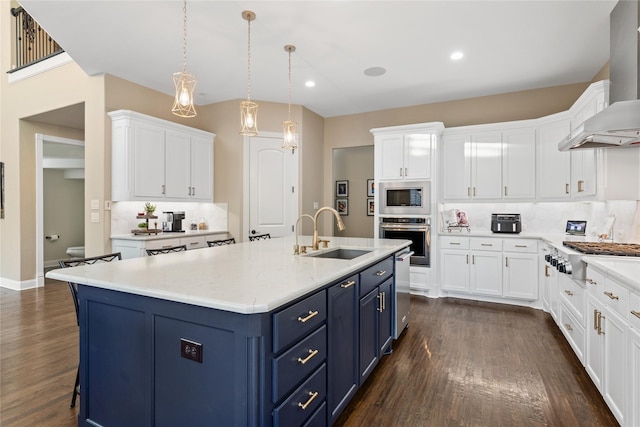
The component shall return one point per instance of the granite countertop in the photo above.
(251, 277)
(167, 235)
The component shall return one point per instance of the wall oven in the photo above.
(405, 198)
(418, 230)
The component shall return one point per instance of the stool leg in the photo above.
(75, 389)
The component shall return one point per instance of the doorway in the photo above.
(270, 186)
(59, 210)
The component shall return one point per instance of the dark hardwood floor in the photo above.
(460, 363)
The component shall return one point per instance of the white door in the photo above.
(273, 188)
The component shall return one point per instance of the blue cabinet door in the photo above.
(386, 315)
(343, 345)
(369, 305)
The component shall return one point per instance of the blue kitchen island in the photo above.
(239, 335)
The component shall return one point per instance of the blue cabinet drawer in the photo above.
(298, 320)
(374, 275)
(319, 419)
(303, 402)
(298, 362)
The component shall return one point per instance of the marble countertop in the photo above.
(251, 277)
(625, 270)
(167, 235)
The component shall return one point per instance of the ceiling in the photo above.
(508, 46)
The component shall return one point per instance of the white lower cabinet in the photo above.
(633, 415)
(481, 266)
(132, 248)
(615, 375)
(594, 355)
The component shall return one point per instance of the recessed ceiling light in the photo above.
(375, 71)
(457, 55)
(309, 83)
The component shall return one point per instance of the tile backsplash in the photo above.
(552, 217)
(123, 215)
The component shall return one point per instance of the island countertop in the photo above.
(251, 277)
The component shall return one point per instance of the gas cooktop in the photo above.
(605, 248)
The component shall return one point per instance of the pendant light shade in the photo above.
(290, 137)
(184, 82)
(248, 109)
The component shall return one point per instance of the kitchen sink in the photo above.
(341, 253)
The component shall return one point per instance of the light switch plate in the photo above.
(95, 217)
(95, 204)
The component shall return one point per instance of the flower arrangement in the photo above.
(149, 208)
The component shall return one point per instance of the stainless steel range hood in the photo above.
(619, 124)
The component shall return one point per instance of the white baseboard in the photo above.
(17, 285)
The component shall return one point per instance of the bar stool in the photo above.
(255, 237)
(221, 242)
(179, 248)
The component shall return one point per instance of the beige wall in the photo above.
(355, 165)
(63, 213)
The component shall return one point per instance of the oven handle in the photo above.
(404, 255)
(405, 228)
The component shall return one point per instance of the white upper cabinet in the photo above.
(456, 166)
(486, 165)
(405, 156)
(554, 166)
(154, 159)
(404, 152)
(518, 164)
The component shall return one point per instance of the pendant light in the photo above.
(248, 109)
(184, 82)
(290, 140)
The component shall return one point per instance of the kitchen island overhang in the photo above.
(136, 314)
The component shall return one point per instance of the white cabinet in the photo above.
(405, 156)
(583, 173)
(518, 164)
(520, 269)
(506, 268)
(489, 165)
(136, 247)
(554, 166)
(404, 152)
(154, 159)
(472, 166)
(615, 373)
(594, 354)
(633, 414)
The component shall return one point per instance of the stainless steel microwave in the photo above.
(405, 198)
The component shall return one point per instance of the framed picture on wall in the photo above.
(371, 208)
(342, 206)
(342, 188)
(370, 188)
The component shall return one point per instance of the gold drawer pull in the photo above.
(349, 284)
(591, 281)
(568, 293)
(306, 359)
(522, 246)
(313, 395)
(636, 313)
(568, 326)
(455, 243)
(486, 244)
(595, 319)
(381, 273)
(311, 314)
(611, 295)
(194, 243)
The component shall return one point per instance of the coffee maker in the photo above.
(173, 221)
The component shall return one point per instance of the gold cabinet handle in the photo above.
(467, 258)
(486, 244)
(636, 313)
(595, 320)
(546, 271)
(474, 191)
(473, 259)
(349, 284)
(468, 191)
(611, 295)
(522, 246)
(384, 300)
(313, 395)
(381, 273)
(591, 281)
(506, 261)
(600, 317)
(306, 359)
(311, 314)
(379, 303)
(580, 189)
(566, 188)
(568, 293)
(505, 190)
(455, 243)
(568, 327)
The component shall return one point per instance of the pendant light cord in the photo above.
(289, 84)
(184, 38)
(249, 60)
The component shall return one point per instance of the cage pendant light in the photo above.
(248, 109)
(290, 140)
(184, 82)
